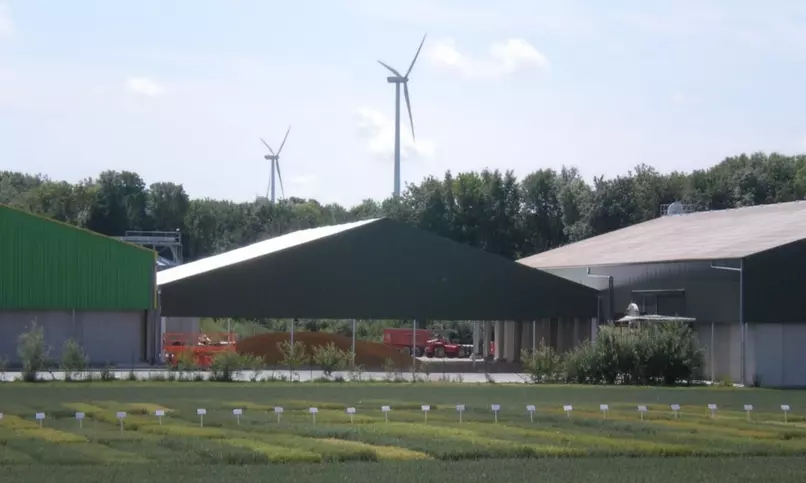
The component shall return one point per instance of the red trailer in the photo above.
(401, 339)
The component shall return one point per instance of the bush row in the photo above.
(661, 354)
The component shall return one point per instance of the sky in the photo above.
(183, 90)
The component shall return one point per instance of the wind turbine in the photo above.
(397, 79)
(275, 165)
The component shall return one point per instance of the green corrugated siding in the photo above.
(45, 265)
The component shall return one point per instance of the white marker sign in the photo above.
(121, 415)
(40, 417)
(350, 410)
(712, 409)
(675, 409)
(313, 412)
(279, 412)
(426, 408)
(159, 413)
(385, 410)
(460, 408)
(237, 413)
(201, 412)
(604, 408)
(531, 410)
(642, 410)
(80, 419)
(748, 408)
(785, 408)
(495, 408)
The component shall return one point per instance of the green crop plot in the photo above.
(399, 445)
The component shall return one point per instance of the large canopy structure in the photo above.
(372, 269)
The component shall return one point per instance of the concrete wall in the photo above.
(118, 338)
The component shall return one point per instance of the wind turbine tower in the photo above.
(397, 79)
(274, 159)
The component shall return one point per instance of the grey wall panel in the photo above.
(794, 355)
(769, 354)
(107, 337)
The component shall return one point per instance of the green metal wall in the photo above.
(48, 265)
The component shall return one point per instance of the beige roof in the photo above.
(710, 235)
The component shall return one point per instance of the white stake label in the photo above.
(237, 412)
(568, 408)
(785, 408)
(748, 407)
(278, 410)
(675, 407)
(385, 409)
(201, 412)
(350, 410)
(159, 413)
(79, 416)
(604, 407)
(313, 410)
(40, 416)
(426, 408)
(121, 415)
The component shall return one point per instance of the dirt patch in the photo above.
(370, 355)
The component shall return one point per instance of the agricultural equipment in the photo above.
(198, 348)
(401, 339)
(441, 347)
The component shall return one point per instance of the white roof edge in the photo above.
(255, 250)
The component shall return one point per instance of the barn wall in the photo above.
(117, 338)
(709, 294)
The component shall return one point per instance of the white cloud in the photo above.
(378, 135)
(144, 86)
(6, 24)
(504, 58)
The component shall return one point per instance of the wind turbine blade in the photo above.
(280, 175)
(283, 143)
(267, 145)
(391, 69)
(415, 57)
(408, 106)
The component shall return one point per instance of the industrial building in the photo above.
(76, 284)
(381, 269)
(738, 272)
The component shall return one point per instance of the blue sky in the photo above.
(182, 90)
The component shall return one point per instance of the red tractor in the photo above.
(440, 347)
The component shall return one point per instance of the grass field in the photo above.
(553, 447)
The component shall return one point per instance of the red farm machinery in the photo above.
(197, 348)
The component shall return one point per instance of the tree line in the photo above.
(490, 210)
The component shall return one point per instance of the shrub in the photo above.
(33, 351)
(185, 361)
(330, 358)
(293, 355)
(226, 365)
(663, 353)
(543, 364)
(74, 359)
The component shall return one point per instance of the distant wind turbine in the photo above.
(398, 79)
(274, 158)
